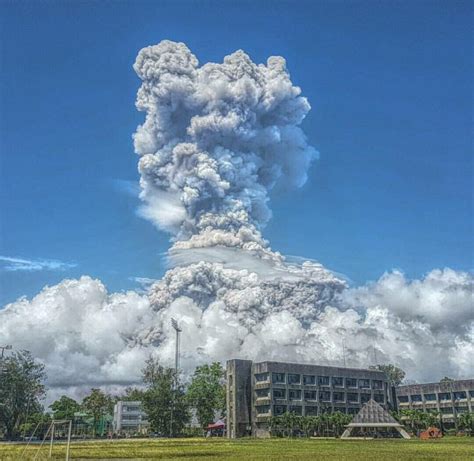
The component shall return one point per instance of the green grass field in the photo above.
(449, 448)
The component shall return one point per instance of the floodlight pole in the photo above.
(178, 330)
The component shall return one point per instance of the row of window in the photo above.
(279, 410)
(434, 397)
(311, 380)
(324, 396)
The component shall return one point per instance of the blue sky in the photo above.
(390, 84)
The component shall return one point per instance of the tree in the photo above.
(206, 393)
(98, 405)
(308, 424)
(338, 421)
(164, 399)
(36, 424)
(394, 374)
(64, 408)
(289, 421)
(132, 394)
(21, 388)
(466, 422)
(446, 379)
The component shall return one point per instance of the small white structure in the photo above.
(373, 417)
(129, 417)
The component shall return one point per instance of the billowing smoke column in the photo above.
(216, 140)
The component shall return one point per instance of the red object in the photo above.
(218, 425)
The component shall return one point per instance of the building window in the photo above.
(296, 409)
(323, 380)
(259, 377)
(379, 398)
(351, 382)
(364, 398)
(311, 411)
(324, 396)
(338, 382)
(416, 398)
(377, 384)
(279, 410)
(131, 409)
(294, 379)
(278, 377)
(446, 411)
(459, 395)
(310, 395)
(462, 410)
(444, 396)
(471, 393)
(364, 383)
(352, 397)
(338, 396)
(279, 393)
(262, 392)
(353, 410)
(294, 394)
(429, 397)
(263, 409)
(403, 398)
(309, 380)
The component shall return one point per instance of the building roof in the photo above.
(328, 368)
(373, 415)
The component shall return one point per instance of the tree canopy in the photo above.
(206, 393)
(21, 389)
(64, 408)
(164, 399)
(394, 374)
(97, 404)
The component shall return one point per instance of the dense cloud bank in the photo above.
(216, 140)
(89, 337)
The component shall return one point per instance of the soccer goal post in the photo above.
(54, 425)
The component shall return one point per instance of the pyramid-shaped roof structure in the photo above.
(373, 415)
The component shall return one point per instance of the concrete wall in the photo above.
(238, 397)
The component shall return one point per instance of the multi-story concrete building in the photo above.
(449, 398)
(257, 391)
(129, 417)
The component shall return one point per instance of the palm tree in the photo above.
(308, 424)
(274, 423)
(289, 422)
(466, 422)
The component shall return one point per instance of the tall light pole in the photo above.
(178, 330)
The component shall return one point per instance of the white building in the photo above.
(129, 417)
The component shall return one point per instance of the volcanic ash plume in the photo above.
(216, 140)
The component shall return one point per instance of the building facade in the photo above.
(129, 417)
(450, 398)
(257, 391)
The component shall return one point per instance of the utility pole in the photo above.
(178, 330)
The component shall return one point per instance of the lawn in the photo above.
(447, 449)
